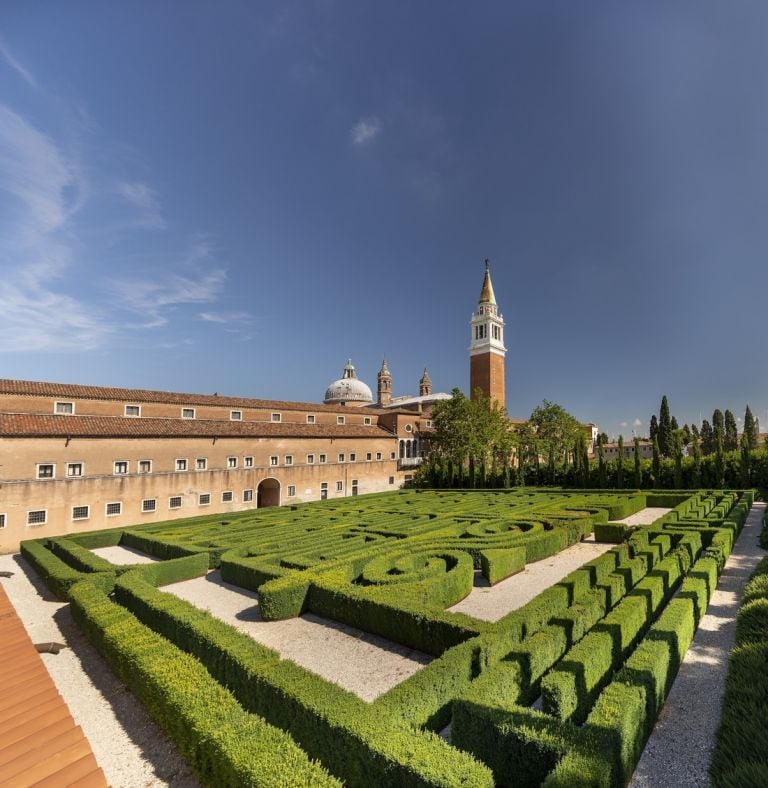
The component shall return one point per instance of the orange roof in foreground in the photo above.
(39, 741)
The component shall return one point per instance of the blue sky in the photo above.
(235, 197)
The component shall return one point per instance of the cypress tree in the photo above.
(687, 434)
(707, 438)
(638, 481)
(694, 431)
(677, 449)
(745, 460)
(696, 480)
(600, 463)
(656, 463)
(718, 421)
(673, 425)
(719, 458)
(653, 430)
(620, 464)
(665, 428)
(731, 436)
(585, 465)
(750, 428)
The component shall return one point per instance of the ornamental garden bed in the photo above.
(567, 685)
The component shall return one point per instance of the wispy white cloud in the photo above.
(144, 198)
(226, 317)
(623, 424)
(24, 73)
(39, 187)
(365, 131)
(637, 423)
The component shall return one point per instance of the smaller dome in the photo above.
(348, 388)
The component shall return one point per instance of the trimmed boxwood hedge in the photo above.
(225, 745)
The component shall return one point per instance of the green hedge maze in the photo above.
(561, 691)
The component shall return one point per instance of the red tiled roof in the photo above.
(20, 425)
(33, 388)
(39, 741)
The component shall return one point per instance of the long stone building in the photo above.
(75, 458)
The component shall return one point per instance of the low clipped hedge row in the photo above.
(740, 757)
(225, 745)
(329, 723)
(58, 576)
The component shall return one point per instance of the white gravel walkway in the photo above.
(122, 556)
(365, 664)
(128, 745)
(645, 516)
(680, 747)
(492, 603)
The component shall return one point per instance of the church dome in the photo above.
(348, 389)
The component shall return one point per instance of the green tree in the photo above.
(718, 421)
(731, 435)
(601, 474)
(620, 464)
(696, 451)
(604, 436)
(750, 428)
(638, 480)
(653, 430)
(677, 452)
(746, 461)
(673, 425)
(719, 457)
(527, 449)
(665, 428)
(694, 431)
(686, 434)
(556, 431)
(707, 438)
(656, 463)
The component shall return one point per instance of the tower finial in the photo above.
(487, 266)
(486, 294)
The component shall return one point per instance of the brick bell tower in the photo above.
(487, 351)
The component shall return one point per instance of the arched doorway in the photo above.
(268, 493)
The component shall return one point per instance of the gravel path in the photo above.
(679, 749)
(121, 556)
(645, 516)
(358, 661)
(490, 603)
(128, 745)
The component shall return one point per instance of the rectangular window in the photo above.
(181, 464)
(187, 413)
(74, 469)
(340, 419)
(289, 459)
(273, 460)
(378, 455)
(149, 505)
(291, 490)
(235, 415)
(226, 497)
(121, 466)
(429, 423)
(322, 458)
(248, 462)
(341, 457)
(391, 479)
(64, 408)
(339, 486)
(367, 420)
(204, 499)
(310, 459)
(81, 512)
(277, 417)
(145, 466)
(310, 418)
(46, 471)
(133, 410)
(353, 457)
(231, 462)
(391, 455)
(174, 502)
(201, 463)
(368, 456)
(247, 496)
(2, 521)
(114, 508)
(37, 517)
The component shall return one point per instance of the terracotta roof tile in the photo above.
(18, 425)
(33, 388)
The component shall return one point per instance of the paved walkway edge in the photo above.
(680, 747)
